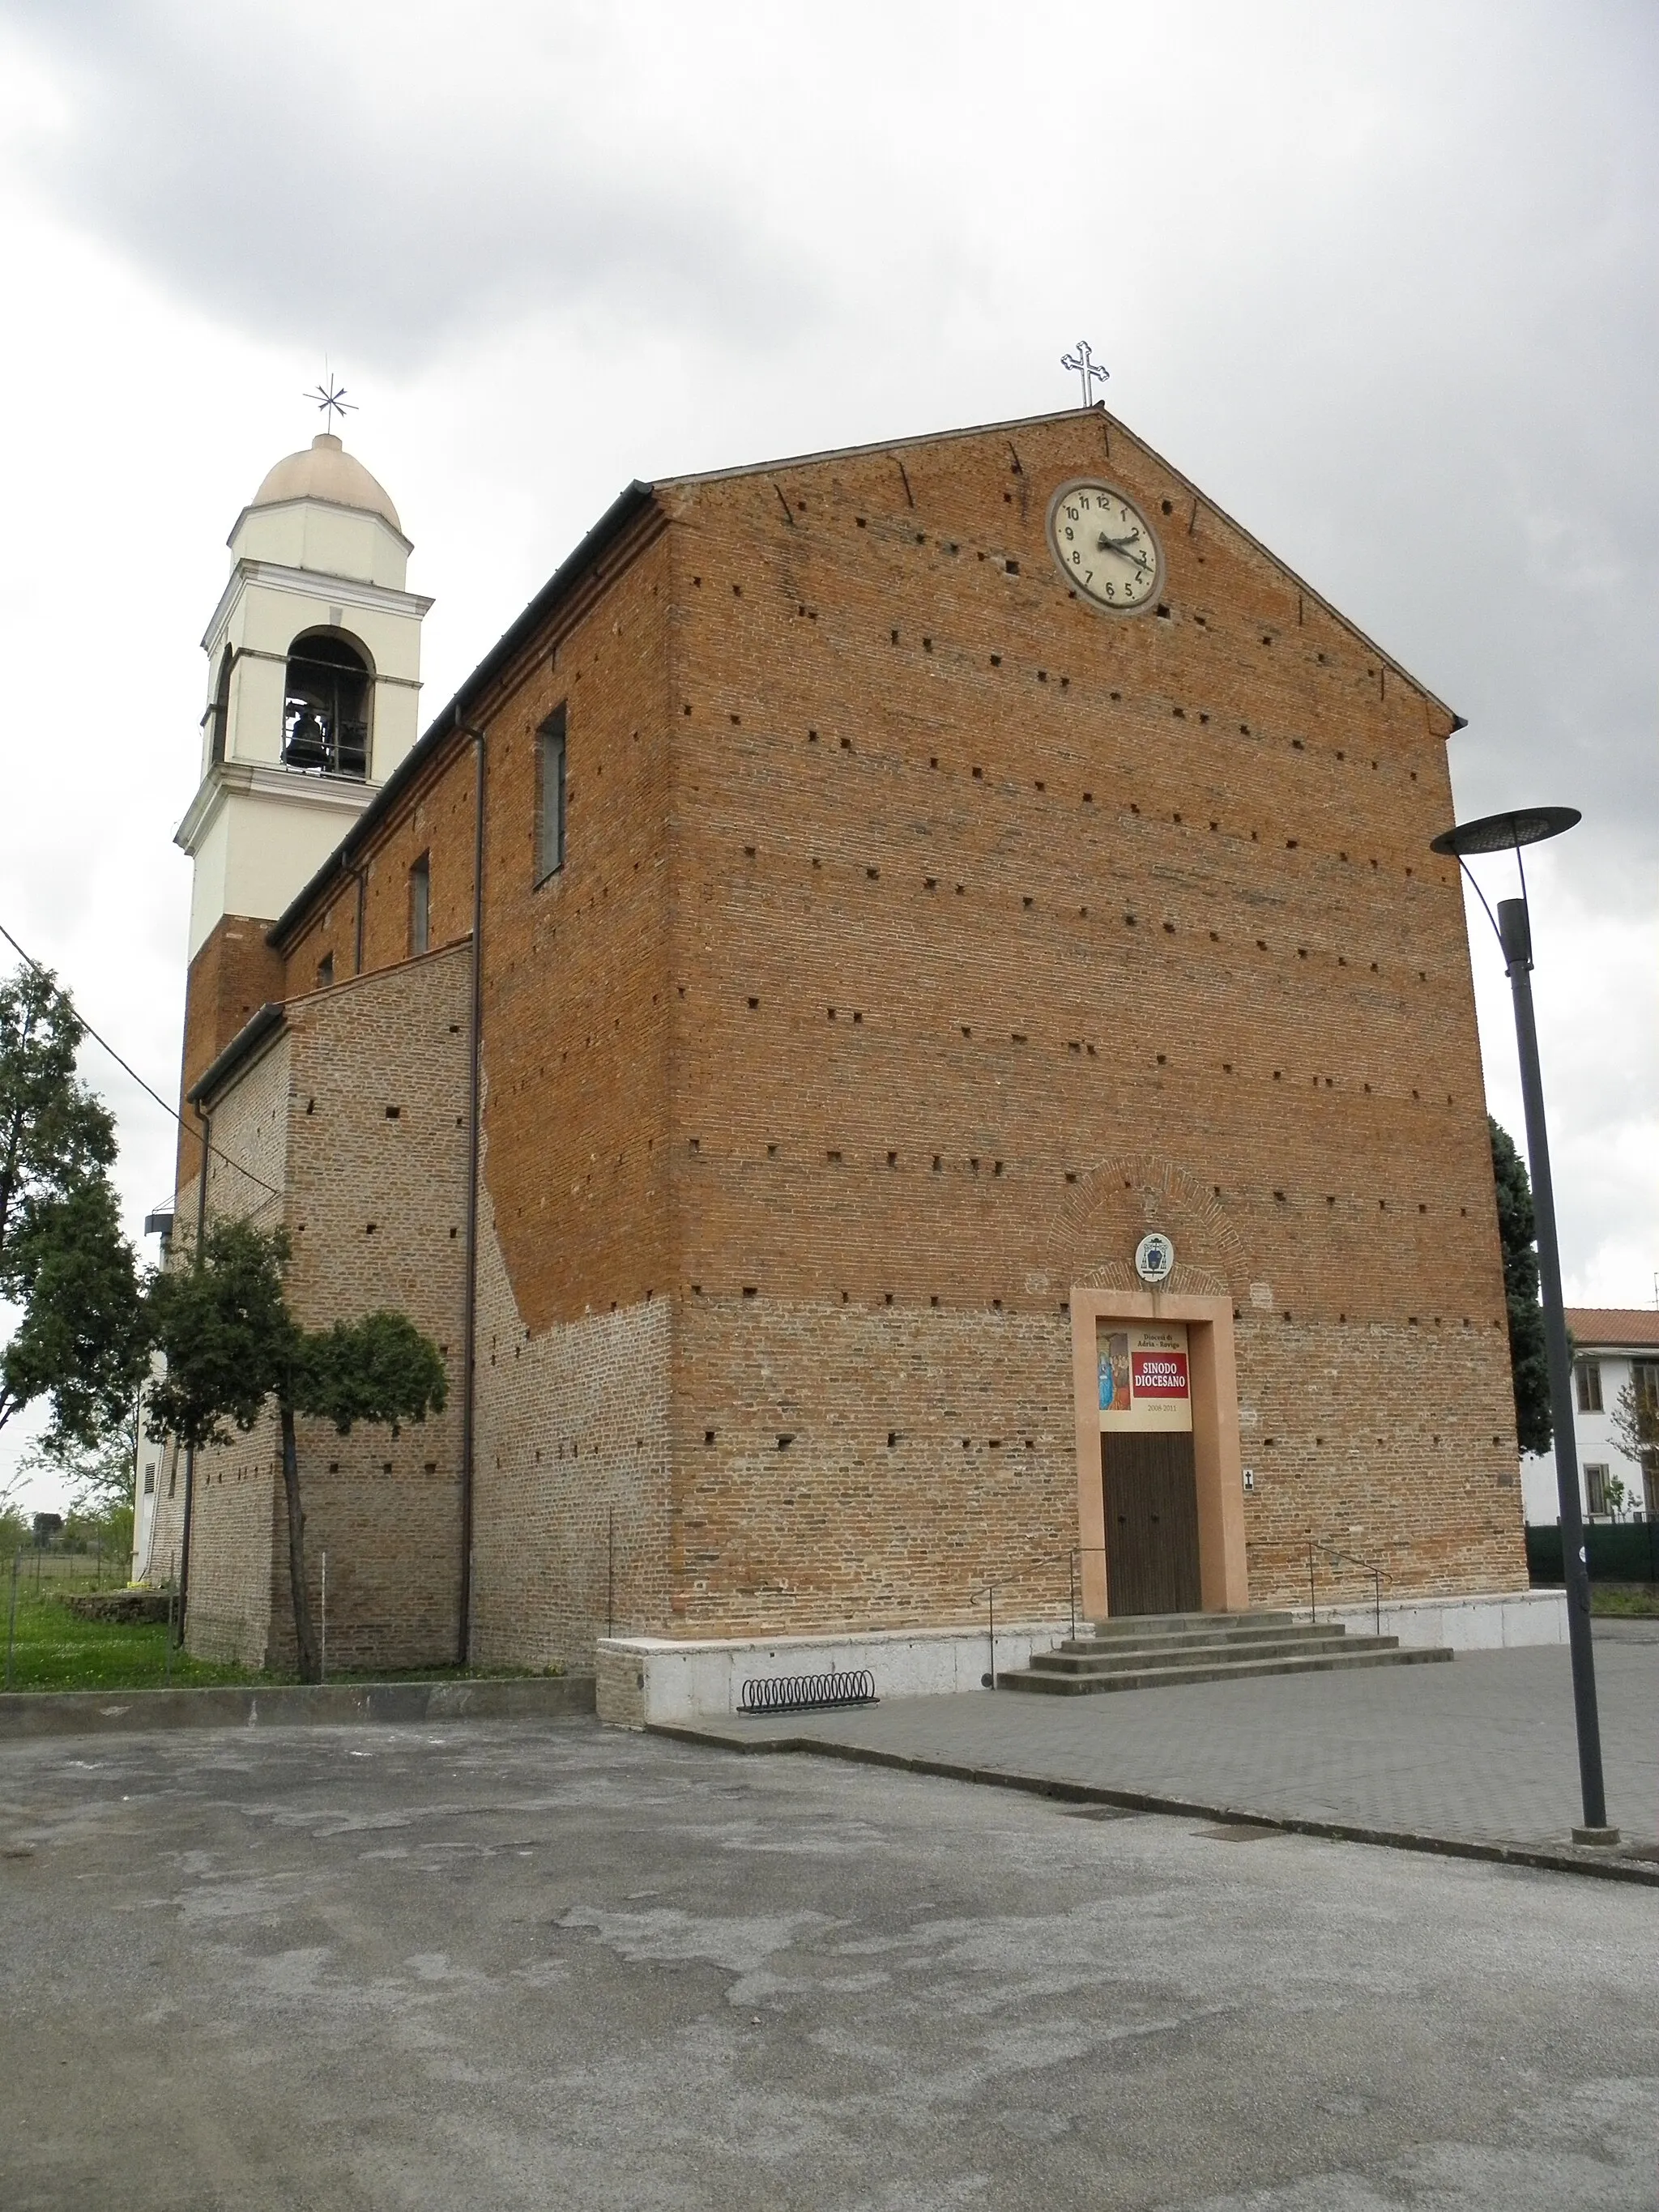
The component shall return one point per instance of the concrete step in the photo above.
(1215, 1639)
(1053, 1683)
(1180, 1624)
(1071, 1659)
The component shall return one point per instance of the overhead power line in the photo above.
(127, 1068)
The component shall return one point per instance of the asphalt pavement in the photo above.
(1482, 1751)
(489, 1966)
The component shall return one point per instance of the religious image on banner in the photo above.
(1115, 1372)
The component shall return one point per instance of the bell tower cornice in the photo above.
(229, 780)
(313, 584)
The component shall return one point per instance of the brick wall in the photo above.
(233, 1533)
(925, 937)
(357, 1112)
(985, 906)
(572, 1483)
(231, 977)
(372, 897)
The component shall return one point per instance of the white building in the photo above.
(1612, 1346)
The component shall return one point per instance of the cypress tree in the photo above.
(1518, 1234)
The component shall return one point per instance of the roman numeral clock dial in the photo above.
(1106, 548)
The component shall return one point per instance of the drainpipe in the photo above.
(470, 1287)
(189, 1449)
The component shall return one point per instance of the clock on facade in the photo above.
(1106, 548)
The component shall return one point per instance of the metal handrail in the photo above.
(1337, 1558)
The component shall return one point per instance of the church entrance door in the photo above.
(1150, 1488)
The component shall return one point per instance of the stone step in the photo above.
(1216, 1640)
(1179, 1624)
(1074, 1659)
(1053, 1683)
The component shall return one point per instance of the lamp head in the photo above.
(1501, 833)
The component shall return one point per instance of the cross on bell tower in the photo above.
(330, 399)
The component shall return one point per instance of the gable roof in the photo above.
(452, 718)
(1614, 1328)
(1097, 413)
(583, 564)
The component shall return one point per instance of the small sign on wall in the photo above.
(1145, 1378)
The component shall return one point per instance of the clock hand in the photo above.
(1123, 545)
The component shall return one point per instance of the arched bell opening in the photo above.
(219, 714)
(326, 706)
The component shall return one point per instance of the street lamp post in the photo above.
(1498, 833)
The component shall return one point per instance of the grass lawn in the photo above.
(1624, 1600)
(53, 1651)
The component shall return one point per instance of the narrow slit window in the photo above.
(420, 905)
(220, 711)
(549, 797)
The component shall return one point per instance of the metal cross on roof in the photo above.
(331, 397)
(1083, 364)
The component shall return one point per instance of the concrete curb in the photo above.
(1550, 1858)
(26, 1713)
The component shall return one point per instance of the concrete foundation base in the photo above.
(644, 1681)
(1495, 1622)
(652, 1681)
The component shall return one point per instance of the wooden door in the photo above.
(1151, 1489)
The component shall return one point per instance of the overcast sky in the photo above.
(1381, 279)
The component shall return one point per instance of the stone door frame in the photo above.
(1223, 1579)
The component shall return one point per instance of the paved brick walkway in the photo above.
(1482, 1750)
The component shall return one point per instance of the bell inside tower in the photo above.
(326, 708)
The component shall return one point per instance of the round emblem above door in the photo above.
(1154, 1258)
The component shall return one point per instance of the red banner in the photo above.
(1157, 1374)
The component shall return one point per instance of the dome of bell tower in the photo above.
(325, 471)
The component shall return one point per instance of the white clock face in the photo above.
(1105, 547)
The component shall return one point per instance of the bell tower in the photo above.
(313, 690)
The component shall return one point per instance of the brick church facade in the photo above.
(752, 1029)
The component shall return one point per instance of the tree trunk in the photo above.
(304, 1640)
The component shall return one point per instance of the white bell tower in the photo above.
(313, 686)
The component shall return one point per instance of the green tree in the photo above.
(223, 1322)
(100, 1474)
(14, 1528)
(101, 1484)
(1517, 1234)
(80, 1341)
(1636, 1420)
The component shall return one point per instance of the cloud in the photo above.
(1383, 282)
(325, 173)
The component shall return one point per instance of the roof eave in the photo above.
(260, 1025)
(1098, 413)
(622, 511)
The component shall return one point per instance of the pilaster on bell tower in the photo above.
(314, 690)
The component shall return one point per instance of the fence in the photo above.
(47, 1570)
(1615, 1551)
